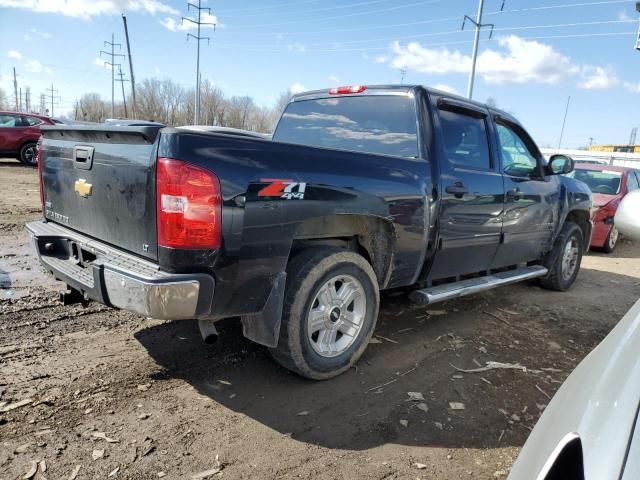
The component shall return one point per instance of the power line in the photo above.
(355, 14)
(422, 22)
(112, 55)
(199, 8)
(266, 7)
(314, 10)
(451, 32)
(441, 44)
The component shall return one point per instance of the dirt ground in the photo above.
(116, 395)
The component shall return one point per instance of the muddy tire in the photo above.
(565, 258)
(330, 312)
(611, 241)
(27, 154)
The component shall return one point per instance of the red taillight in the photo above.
(39, 161)
(189, 206)
(347, 90)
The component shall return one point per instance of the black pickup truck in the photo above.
(360, 189)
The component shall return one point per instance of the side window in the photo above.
(632, 182)
(465, 140)
(31, 121)
(9, 121)
(517, 159)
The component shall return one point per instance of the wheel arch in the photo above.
(369, 235)
(581, 218)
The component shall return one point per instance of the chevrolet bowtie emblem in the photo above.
(83, 188)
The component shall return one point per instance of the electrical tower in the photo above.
(634, 134)
(121, 79)
(112, 55)
(476, 40)
(403, 73)
(199, 8)
(51, 93)
(43, 106)
(27, 100)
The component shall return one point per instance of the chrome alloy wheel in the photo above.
(613, 238)
(570, 258)
(30, 155)
(336, 315)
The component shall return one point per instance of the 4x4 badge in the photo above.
(83, 188)
(281, 188)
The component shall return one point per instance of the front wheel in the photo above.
(330, 311)
(28, 154)
(565, 258)
(612, 240)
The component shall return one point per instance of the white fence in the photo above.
(610, 158)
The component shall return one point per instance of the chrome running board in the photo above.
(427, 296)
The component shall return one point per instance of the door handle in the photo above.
(457, 190)
(515, 194)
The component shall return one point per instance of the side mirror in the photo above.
(560, 164)
(627, 220)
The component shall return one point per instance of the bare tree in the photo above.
(91, 108)
(3, 100)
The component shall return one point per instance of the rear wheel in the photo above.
(612, 240)
(565, 258)
(330, 312)
(28, 155)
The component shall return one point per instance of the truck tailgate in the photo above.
(100, 181)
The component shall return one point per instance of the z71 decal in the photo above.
(287, 189)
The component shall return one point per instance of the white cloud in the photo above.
(178, 25)
(297, 47)
(14, 54)
(90, 8)
(518, 61)
(446, 88)
(598, 78)
(297, 88)
(40, 34)
(35, 66)
(100, 62)
(632, 87)
(334, 79)
(623, 16)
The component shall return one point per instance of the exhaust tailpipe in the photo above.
(208, 331)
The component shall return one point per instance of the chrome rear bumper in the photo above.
(118, 279)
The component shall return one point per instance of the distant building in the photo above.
(615, 148)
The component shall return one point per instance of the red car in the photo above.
(19, 134)
(609, 185)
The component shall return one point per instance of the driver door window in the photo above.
(517, 159)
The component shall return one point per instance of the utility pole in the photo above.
(42, 104)
(15, 87)
(634, 134)
(590, 141)
(476, 40)
(113, 65)
(53, 97)
(121, 79)
(638, 41)
(133, 80)
(20, 101)
(403, 72)
(198, 39)
(564, 122)
(27, 100)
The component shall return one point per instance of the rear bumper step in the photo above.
(441, 293)
(118, 279)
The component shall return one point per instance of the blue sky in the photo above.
(541, 52)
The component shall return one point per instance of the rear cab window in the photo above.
(379, 124)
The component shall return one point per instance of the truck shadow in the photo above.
(368, 406)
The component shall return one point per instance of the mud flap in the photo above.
(264, 327)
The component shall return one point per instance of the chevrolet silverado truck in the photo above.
(360, 189)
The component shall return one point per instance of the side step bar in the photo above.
(441, 293)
